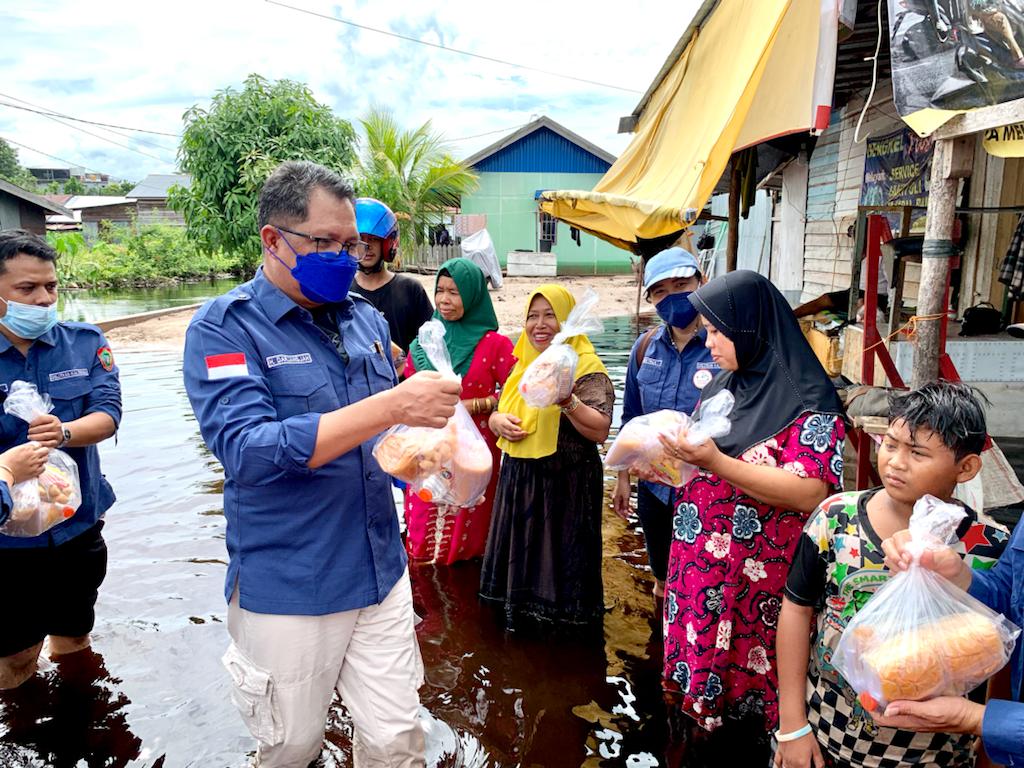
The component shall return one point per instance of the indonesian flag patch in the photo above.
(226, 366)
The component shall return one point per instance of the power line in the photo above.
(452, 50)
(103, 138)
(82, 119)
(488, 133)
(71, 163)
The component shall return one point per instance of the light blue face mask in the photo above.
(28, 321)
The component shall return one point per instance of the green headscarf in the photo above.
(462, 336)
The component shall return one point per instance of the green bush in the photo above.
(125, 256)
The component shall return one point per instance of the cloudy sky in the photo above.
(141, 65)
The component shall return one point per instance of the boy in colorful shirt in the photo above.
(933, 442)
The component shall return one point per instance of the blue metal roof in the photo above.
(542, 151)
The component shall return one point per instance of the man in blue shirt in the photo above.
(668, 367)
(54, 578)
(1000, 723)
(291, 379)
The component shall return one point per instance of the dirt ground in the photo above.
(618, 297)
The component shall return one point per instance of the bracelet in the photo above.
(793, 735)
(574, 403)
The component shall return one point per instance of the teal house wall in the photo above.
(541, 155)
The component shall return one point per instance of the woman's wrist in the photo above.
(7, 474)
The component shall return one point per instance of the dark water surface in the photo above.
(153, 693)
(96, 305)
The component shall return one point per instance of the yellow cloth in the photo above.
(747, 75)
(541, 424)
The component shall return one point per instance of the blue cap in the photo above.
(670, 263)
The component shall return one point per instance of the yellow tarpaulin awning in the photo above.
(747, 75)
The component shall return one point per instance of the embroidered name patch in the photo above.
(106, 358)
(652, 361)
(71, 374)
(226, 365)
(301, 359)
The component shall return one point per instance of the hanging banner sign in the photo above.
(897, 168)
(952, 56)
(1005, 141)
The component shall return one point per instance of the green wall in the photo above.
(507, 199)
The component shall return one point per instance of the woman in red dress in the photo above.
(737, 522)
(484, 359)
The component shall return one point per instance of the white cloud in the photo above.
(143, 65)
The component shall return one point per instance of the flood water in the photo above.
(97, 305)
(153, 692)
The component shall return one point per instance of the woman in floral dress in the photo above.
(484, 359)
(738, 520)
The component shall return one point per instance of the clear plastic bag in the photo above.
(549, 378)
(637, 447)
(920, 636)
(54, 496)
(450, 466)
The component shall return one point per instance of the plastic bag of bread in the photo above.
(448, 466)
(54, 496)
(549, 378)
(637, 447)
(919, 636)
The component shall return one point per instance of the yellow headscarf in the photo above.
(541, 424)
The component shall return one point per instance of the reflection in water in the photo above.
(491, 698)
(73, 714)
(100, 304)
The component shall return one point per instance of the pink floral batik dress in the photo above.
(444, 535)
(728, 564)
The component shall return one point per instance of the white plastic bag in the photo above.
(919, 636)
(549, 378)
(637, 447)
(450, 466)
(54, 496)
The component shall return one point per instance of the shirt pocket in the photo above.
(69, 397)
(299, 389)
(648, 380)
(379, 373)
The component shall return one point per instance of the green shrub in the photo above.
(127, 256)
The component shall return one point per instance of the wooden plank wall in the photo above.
(835, 178)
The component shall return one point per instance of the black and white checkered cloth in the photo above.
(1011, 273)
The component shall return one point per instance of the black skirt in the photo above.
(544, 549)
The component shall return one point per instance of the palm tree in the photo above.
(413, 172)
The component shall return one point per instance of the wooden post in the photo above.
(951, 161)
(732, 246)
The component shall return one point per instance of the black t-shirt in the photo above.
(405, 306)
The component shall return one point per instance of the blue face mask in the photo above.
(676, 309)
(324, 277)
(28, 321)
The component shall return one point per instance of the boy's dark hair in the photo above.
(16, 241)
(952, 410)
(285, 195)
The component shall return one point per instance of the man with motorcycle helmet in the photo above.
(400, 298)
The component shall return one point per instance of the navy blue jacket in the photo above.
(259, 373)
(69, 362)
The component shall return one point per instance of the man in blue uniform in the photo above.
(668, 367)
(290, 378)
(52, 580)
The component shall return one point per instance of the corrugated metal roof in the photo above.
(542, 151)
(32, 197)
(157, 184)
(78, 202)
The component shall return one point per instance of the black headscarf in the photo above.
(779, 378)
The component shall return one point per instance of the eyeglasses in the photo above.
(357, 249)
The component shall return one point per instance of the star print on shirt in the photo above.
(975, 537)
